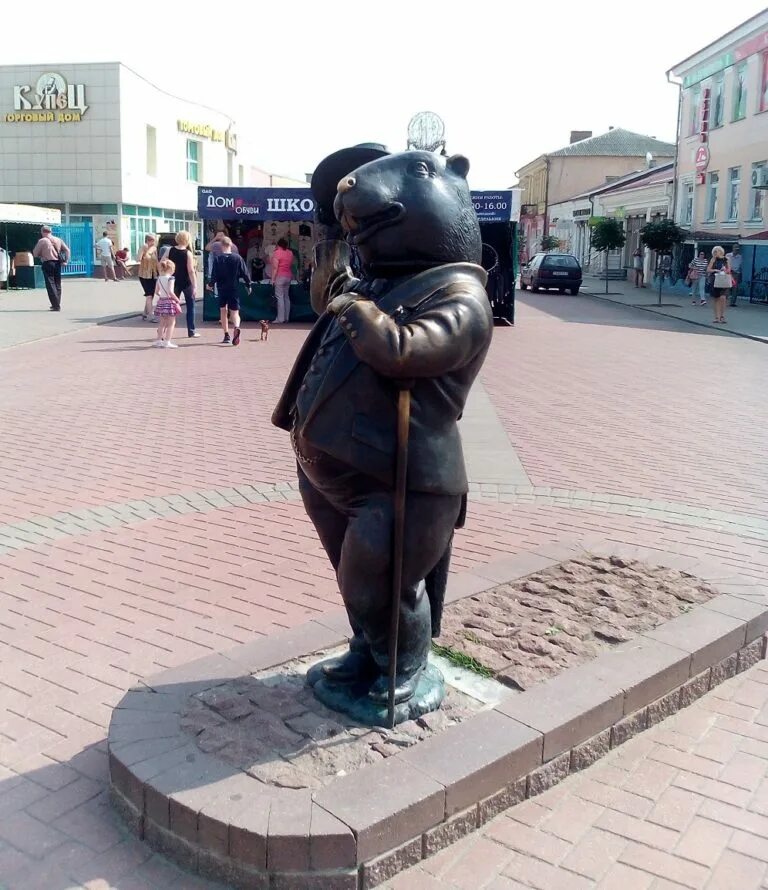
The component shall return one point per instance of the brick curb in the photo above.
(698, 324)
(365, 827)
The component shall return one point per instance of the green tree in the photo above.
(549, 242)
(661, 236)
(607, 234)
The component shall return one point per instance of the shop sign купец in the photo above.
(52, 100)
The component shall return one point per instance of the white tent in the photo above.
(24, 213)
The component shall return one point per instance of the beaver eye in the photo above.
(420, 169)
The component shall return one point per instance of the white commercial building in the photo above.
(105, 146)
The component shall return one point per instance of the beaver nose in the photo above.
(345, 184)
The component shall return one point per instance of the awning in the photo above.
(24, 213)
(760, 238)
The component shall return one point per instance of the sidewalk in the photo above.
(25, 314)
(149, 518)
(745, 320)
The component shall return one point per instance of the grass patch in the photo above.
(461, 660)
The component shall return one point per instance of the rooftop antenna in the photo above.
(426, 132)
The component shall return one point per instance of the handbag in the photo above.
(723, 280)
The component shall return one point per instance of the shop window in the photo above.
(740, 92)
(687, 214)
(151, 151)
(758, 196)
(713, 181)
(718, 101)
(764, 82)
(194, 151)
(734, 192)
(695, 111)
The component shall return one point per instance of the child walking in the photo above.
(168, 305)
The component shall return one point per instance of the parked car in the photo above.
(552, 271)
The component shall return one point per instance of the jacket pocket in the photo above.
(365, 430)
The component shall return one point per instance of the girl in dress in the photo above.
(168, 305)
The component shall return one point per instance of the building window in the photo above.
(687, 215)
(193, 160)
(713, 180)
(740, 92)
(734, 189)
(764, 82)
(151, 151)
(693, 123)
(718, 101)
(756, 204)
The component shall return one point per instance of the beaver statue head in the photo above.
(409, 211)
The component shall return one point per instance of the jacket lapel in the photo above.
(282, 413)
(343, 365)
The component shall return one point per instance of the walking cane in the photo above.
(401, 468)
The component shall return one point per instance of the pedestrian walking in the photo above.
(719, 270)
(697, 278)
(282, 266)
(186, 278)
(229, 268)
(148, 270)
(53, 253)
(106, 254)
(168, 305)
(637, 266)
(734, 261)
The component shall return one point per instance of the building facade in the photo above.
(587, 162)
(640, 197)
(723, 135)
(106, 147)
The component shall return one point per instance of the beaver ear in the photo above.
(459, 164)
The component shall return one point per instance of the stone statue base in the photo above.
(353, 700)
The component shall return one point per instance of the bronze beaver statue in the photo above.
(418, 319)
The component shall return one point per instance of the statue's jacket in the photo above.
(430, 333)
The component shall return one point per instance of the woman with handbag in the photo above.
(720, 270)
(147, 260)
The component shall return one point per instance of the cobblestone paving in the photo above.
(272, 727)
(535, 628)
(630, 427)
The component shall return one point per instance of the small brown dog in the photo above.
(264, 330)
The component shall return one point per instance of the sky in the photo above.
(306, 78)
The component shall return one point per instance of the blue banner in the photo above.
(292, 204)
(495, 206)
(252, 203)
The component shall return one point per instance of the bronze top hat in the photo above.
(337, 165)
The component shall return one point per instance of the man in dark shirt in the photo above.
(227, 269)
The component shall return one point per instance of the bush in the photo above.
(608, 234)
(661, 236)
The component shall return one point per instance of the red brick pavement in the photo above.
(89, 419)
(683, 805)
(628, 403)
